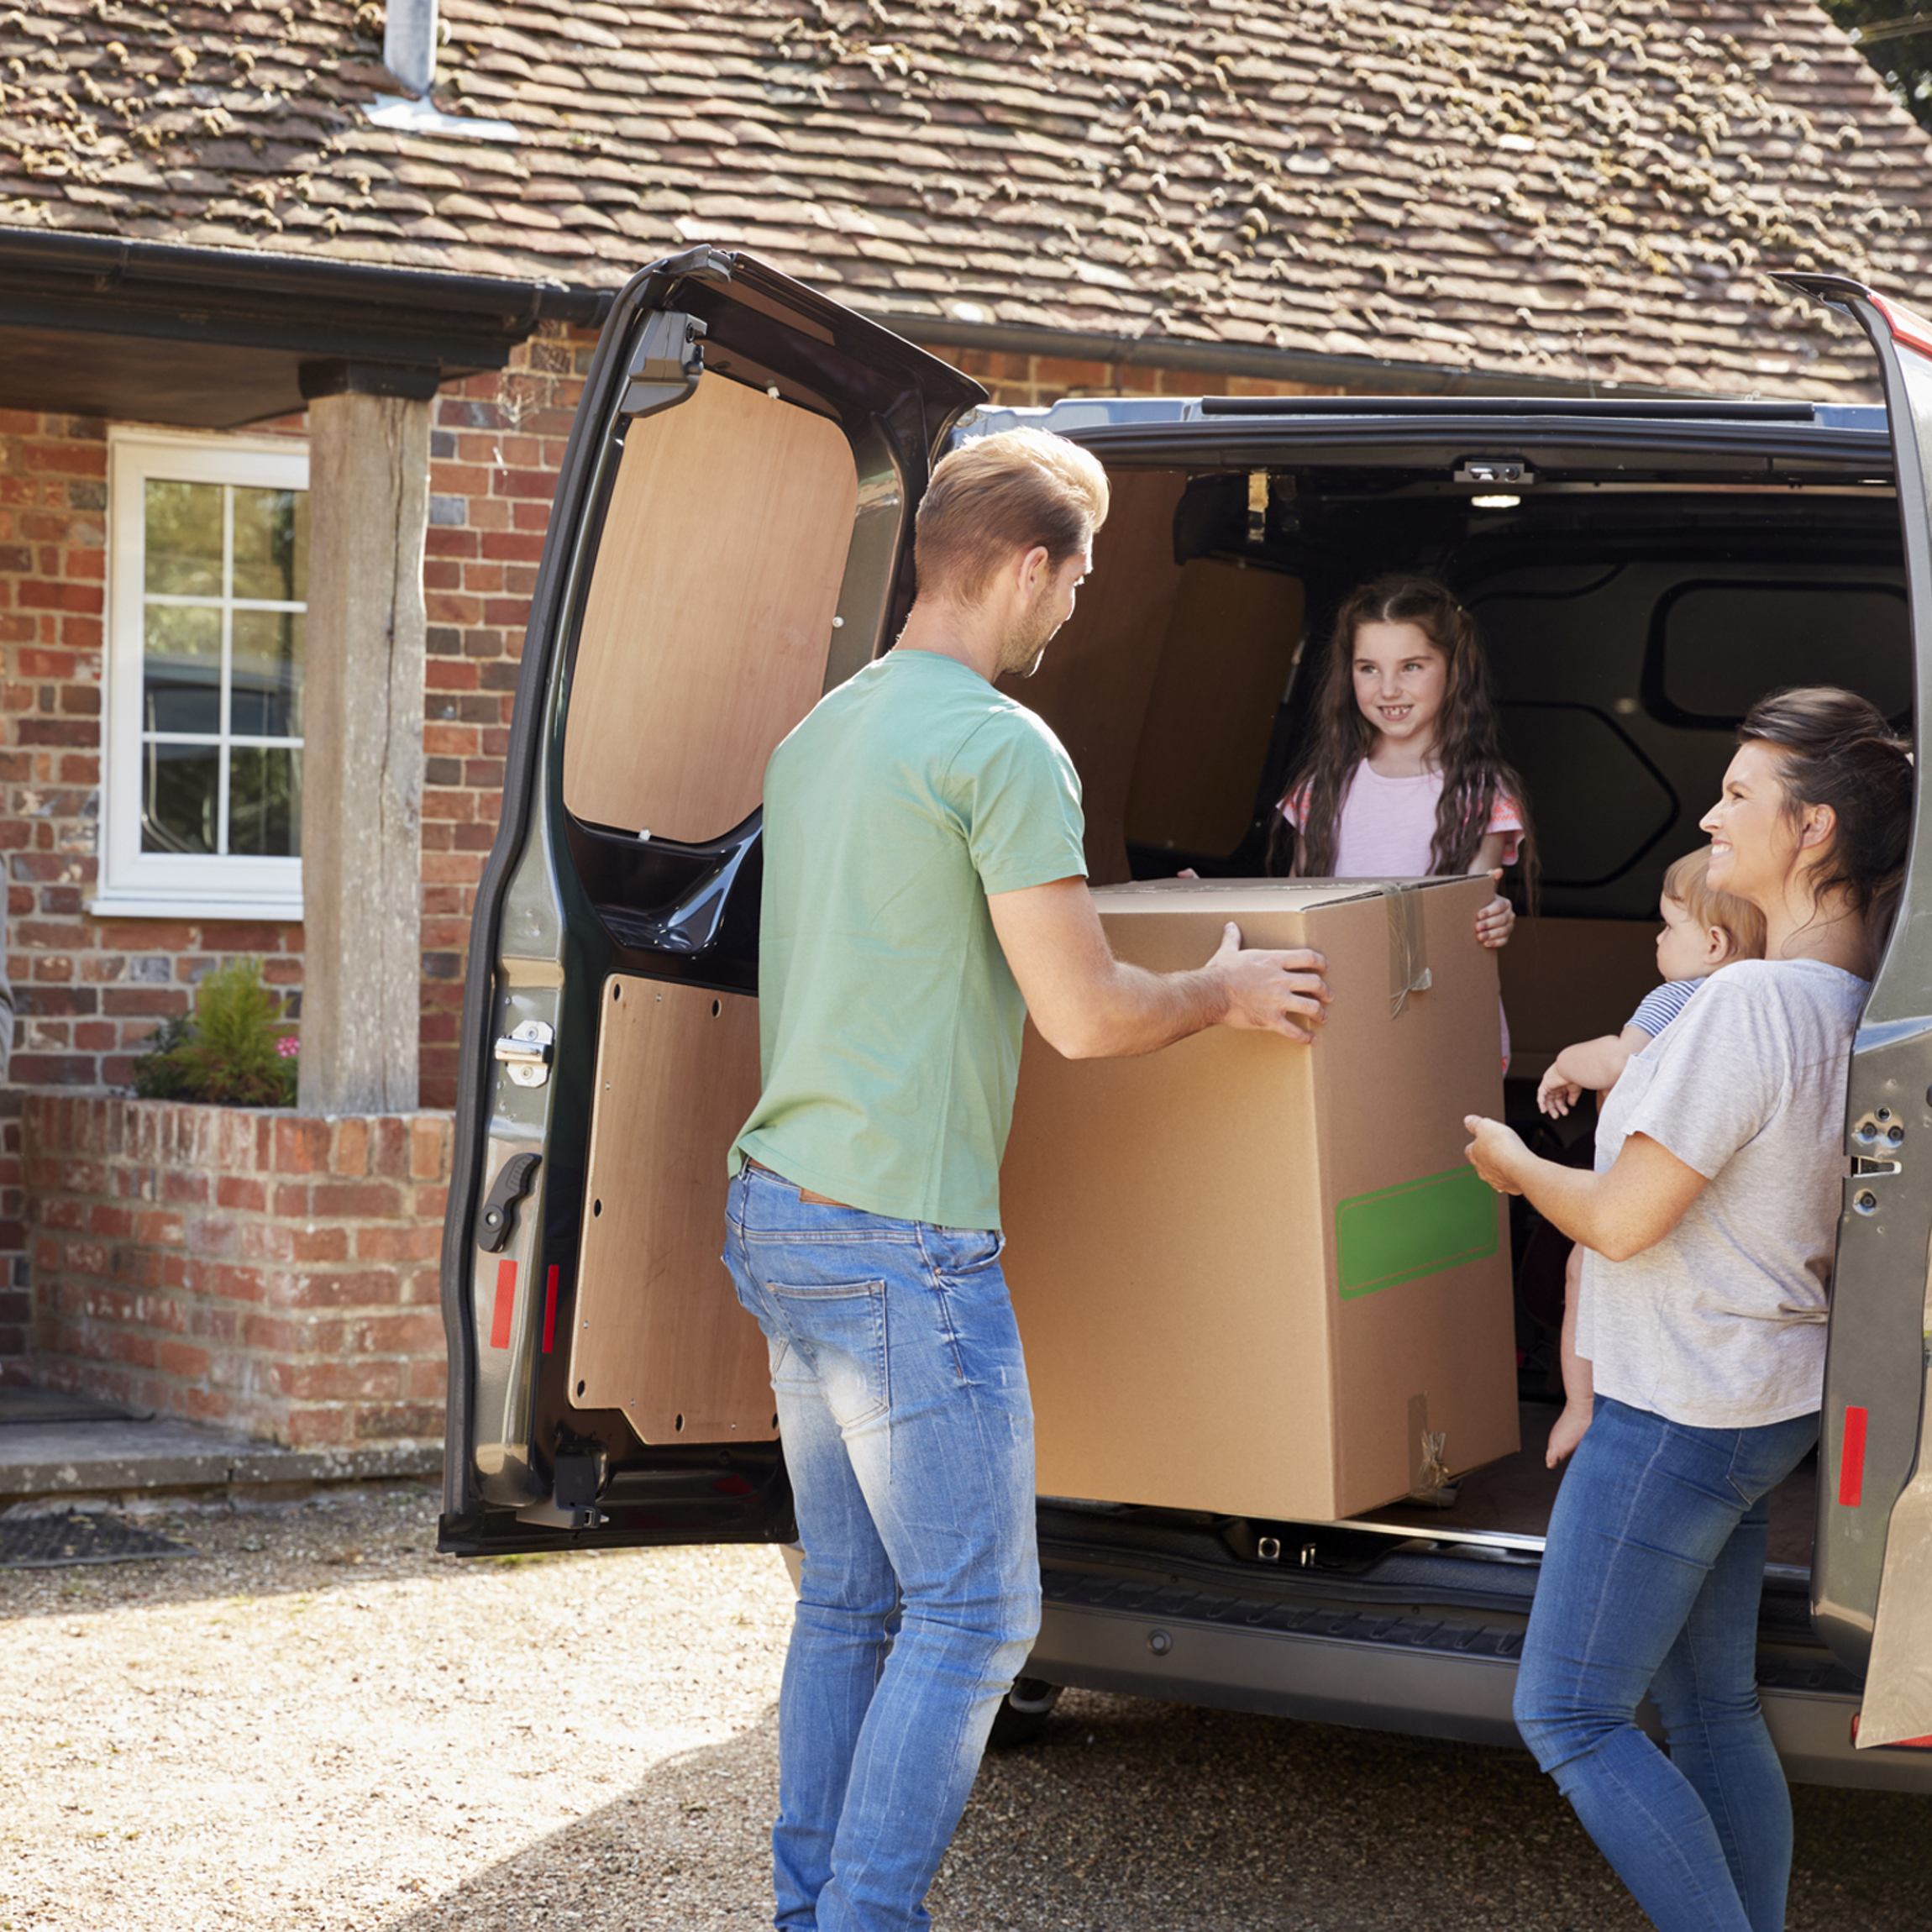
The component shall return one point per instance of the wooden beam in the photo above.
(362, 762)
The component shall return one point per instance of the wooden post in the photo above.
(362, 762)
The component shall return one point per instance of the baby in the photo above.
(1704, 930)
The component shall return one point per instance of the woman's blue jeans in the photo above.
(908, 1432)
(1650, 1582)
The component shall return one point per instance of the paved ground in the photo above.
(316, 1724)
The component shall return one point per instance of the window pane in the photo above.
(181, 797)
(264, 802)
(184, 537)
(272, 544)
(181, 668)
(264, 678)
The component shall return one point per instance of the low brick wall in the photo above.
(265, 1271)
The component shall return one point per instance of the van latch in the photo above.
(526, 1051)
(498, 1219)
(572, 1503)
(666, 363)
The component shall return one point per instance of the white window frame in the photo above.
(135, 884)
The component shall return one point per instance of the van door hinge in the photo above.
(526, 1051)
(498, 1220)
(666, 363)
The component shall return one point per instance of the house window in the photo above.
(208, 584)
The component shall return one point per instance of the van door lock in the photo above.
(525, 1051)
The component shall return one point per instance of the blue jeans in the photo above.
(908, 1432)
(1650, 1582)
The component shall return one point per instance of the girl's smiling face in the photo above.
(1400, 679)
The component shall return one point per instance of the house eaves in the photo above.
(215, 337)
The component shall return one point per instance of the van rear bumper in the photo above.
(1412, 1674)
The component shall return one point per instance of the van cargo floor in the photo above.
(1514, 1498)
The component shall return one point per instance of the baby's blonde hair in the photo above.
(1688, 882)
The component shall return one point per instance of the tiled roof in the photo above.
(1577, 192)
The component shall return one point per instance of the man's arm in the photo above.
(1088, 1005)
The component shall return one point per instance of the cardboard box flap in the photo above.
(1408, 941)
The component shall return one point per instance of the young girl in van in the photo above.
(1402, 777)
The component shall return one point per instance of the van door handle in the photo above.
(498, 1219)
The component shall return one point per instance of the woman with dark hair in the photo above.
(1709, 1222)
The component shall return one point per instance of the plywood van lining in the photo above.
(710, 612)
(660, 1335)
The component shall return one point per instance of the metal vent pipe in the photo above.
(409, 45)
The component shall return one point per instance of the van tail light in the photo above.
(1907, 325)
(550, 1308)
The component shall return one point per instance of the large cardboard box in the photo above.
(1254, 1277)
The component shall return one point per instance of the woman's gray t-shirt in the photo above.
(1721, 1323)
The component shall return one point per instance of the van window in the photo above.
(1715, 649)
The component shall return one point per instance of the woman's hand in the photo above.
(1554, 1095)
(1493, 1150)
(1571, 1425)
(1497, 919)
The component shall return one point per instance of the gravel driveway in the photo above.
(317, 1723)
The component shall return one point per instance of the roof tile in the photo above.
(1504, 186)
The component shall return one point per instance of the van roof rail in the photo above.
(1674, 408)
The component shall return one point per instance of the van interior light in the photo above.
(1494, 502)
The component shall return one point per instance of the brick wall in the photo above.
(88, 992)
(270, 1271)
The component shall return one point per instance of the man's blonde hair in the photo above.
(1688, 882)
(1000, 495)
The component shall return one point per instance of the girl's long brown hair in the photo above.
(1466, 747)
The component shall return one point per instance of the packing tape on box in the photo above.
(1408, 946)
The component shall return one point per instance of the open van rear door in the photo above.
(1871, 1569)
(730, 539)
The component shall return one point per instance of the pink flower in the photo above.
(288, 1046)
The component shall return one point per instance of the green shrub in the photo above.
(236, 1048)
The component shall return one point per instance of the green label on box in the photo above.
(1420, 1228)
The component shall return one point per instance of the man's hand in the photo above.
(1090, 1006)
(1554, 1095)
(1494, 1151)
(1496, 921)
(1275, 992)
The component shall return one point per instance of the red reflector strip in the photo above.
(550, 1309)
(505, 1304)
(1852, 1461)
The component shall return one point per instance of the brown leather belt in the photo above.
(804, 1193)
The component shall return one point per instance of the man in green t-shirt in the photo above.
(923, 891)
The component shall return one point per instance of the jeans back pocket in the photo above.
(837, 1332)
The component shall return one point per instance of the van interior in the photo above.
(1630, 619)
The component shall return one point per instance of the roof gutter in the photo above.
(1356, 375)
(313, 303)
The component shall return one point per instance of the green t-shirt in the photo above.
(889, 1021)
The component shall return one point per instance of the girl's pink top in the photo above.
(1388, 823)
